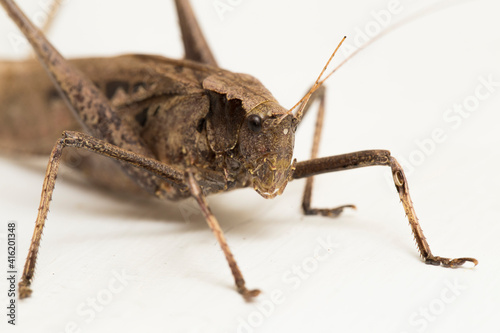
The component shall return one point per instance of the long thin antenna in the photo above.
(53, 10)
(318, 83)
(303, 101)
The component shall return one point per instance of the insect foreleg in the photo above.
(84, 141)
(380, 157)
(216, 229)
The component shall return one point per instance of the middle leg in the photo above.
(306, 199)
(197, 193)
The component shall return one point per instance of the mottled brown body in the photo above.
(173, 128)
(166, 101)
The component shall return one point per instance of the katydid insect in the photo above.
(181, 128)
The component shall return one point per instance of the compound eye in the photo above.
(254, 123)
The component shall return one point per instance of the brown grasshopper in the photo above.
(175, 129)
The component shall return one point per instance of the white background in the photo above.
(390, 96)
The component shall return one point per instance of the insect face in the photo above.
(266, 143)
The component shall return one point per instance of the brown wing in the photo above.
(33, 115)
